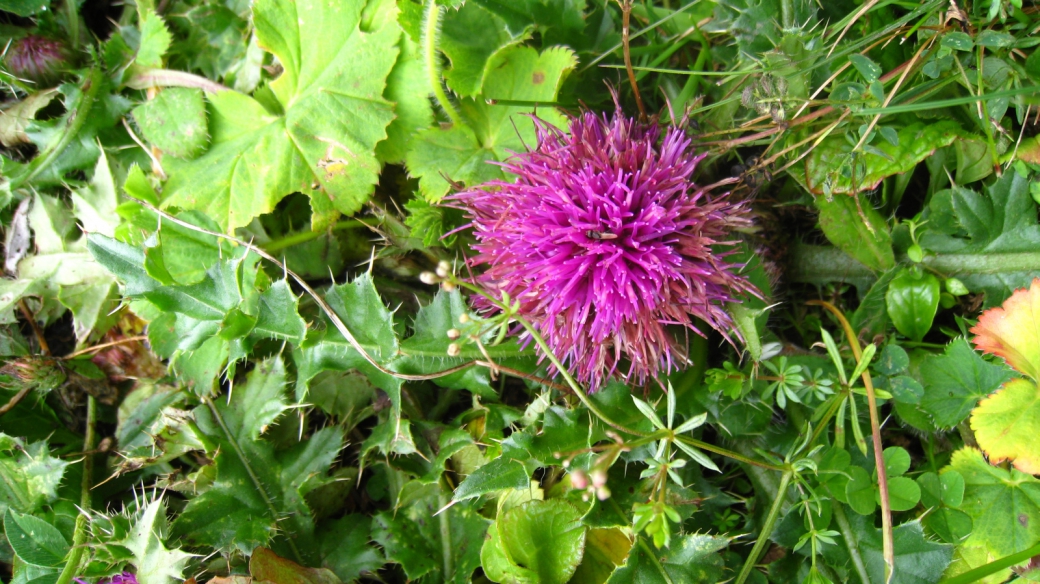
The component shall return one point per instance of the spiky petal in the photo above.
(608, 246)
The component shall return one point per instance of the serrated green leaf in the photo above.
(346, 547)
(175, 122)
(418, 541)
(492, 132)
(692, 558)
(469, 38)
(1007, 423)
(955, 381)
(34, 540)
(997, 224)
(155, 39)
(510, 470)
(918, 560)
(30, 475)
(323, 145)
(408, 87)
(538, 541)
(278, 314)
(1004, 505)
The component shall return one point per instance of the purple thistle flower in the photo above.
(606, 243)
(124, 578)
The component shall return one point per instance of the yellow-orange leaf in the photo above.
(1012, 331)
(1006, 425)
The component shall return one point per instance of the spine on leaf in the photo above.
(431, 31)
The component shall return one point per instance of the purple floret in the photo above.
(607, 243)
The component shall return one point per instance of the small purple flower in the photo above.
(607, 244)
(124, 578)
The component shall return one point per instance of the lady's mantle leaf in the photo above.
(539, 541)
(1004, 505)
(323, 141)
(492, 132)
(955, 381)
(1007, 423)
(1012, 331)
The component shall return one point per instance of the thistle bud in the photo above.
(428, 278)
(454, 349)
(454, 334)
(464, 318)
(443, 269)
(602, 493)
(37, 59)
(599, 478)
(448, 286)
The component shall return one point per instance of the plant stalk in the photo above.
(79, 535)
(767, 527)
(431, 22)
(850, 542)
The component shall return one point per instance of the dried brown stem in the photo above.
(626, 17)
(29, 316)
(14, 400)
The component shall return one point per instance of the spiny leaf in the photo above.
(155, 564)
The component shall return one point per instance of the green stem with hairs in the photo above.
(431, 22)
(767, 527)
(305, 236)
(849, 536)
(88, 94)
(79, 535)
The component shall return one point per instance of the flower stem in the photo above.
(305, 236)
(146, 78)
(431, 22)
(888, 549)
(79, 535)
(767, 527)
(88, 93)
(850, 541)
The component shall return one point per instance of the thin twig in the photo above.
(29, 316)
(96, 348)
(14, 400)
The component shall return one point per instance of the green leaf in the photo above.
(538, 541)
(605, 550)
(859, 491)
(34, 540)
(278, 315)
(155, 39)
(832, 168)
(692, 558)
(866, 67)
(262, 398)
(360, 308)
(897, 461)
(903, 493)
(469, 38)
(955, 381)
(175, 122)
(1004, 505)
(155, 564)
(24, 8)
(918, 560)
(408, 87)
(445, 548)
(1007, 423)
(345, 547)
(322, 142)
(29, 475)
(868, 240)
(994, 228)
(492, 132)
(912, 300)
(951, 525)
(178, 255)
(510, 470)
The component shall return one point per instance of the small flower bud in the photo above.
(579, 480)
(454, 349)
(602, 493)
(599, 478)
(428, 278)
(585, 496)
(464, 318)
(448, 286)
(37, 59)
(454, 334)
(443, 269)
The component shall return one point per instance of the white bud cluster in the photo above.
(594, 483)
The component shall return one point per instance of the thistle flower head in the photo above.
(608, 246)
(36, 58)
